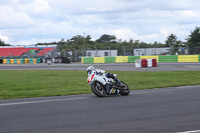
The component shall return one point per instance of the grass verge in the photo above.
(38, 83)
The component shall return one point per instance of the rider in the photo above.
(108, 75)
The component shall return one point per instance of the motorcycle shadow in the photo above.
(108, 96)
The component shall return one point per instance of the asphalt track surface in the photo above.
(176, 66)
(165, 110)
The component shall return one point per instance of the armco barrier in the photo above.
(188, 58)
(199, 58)
(171, 58)
(121, 59)
(109, 59)
(131, 59)
(99, 59)
(87, 60)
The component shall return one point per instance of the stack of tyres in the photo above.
(8, 61)
(154, 63)
(144, 62)
(21, 60)
(31, 60)
(38, 60)
(149, 63)
(15, 61)
(26, 61)
(4, 61)
(34, 61)
(138, 63)
(11, 61)
(18, 61)
(41, 60)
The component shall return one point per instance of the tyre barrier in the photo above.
(145, 63)
(21, 61)
(35, 60)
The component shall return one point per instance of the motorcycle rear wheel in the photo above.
(125, 89)
(98, 89)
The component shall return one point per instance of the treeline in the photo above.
(79, 42)
(104, 42)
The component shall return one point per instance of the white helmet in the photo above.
(90, 68)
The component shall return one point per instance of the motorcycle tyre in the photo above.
(124, 92)
(96, 92)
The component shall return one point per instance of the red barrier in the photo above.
(154, 63)
(144, 62)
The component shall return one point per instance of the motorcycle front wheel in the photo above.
(98, 89)
(124, 89)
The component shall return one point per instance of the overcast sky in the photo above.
(26, 22)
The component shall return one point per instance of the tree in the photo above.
(2, 43)
(172, 41)
(106, 39)
(193, 41)
(77, 40)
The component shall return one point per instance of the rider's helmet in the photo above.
(89, 69)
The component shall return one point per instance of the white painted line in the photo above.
(42, 101)
(195, 131)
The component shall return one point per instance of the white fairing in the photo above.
(93, 76)
(101, 77)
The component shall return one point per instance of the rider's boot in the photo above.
(107, 88)
(117, 81)
(110, 75)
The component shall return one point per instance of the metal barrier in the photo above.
(131, 59)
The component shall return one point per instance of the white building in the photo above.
(151, 51)
(101, 53)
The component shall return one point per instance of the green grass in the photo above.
(37, 83)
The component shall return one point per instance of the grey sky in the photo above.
(25, 22)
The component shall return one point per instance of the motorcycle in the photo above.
(98, 85)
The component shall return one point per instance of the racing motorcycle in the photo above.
(98, 85)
